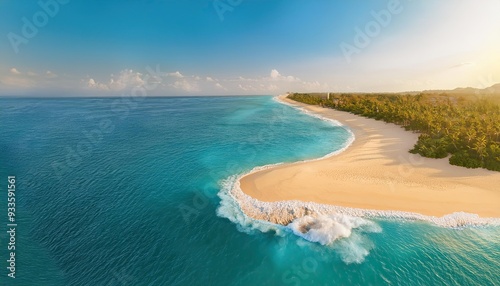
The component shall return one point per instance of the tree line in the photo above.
(465, 128)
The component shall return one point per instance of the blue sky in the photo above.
(246, 47)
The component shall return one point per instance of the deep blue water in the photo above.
(114, 193)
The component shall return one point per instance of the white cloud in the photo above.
(240, 78)
(169, 83)
(245, 88)
(126, 79)
(17, 80)
(14, 71)
(218, 85)
(176, 74)
(185, 86)
(91, 83)
(172, 83)
(275, 74)
(276, 83)
(50, 74)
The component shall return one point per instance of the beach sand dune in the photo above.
(378, 173)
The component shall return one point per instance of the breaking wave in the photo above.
(341, 232)
(325, 229)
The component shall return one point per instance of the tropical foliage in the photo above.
(465, 128)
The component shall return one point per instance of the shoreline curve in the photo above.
(268, 192)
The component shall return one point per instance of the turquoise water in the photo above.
(125, 193)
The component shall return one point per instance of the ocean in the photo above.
(122, 192)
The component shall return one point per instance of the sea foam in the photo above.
(325, 229)
(342, 232)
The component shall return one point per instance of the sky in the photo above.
(239, 47)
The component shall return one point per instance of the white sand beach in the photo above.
(377, 173)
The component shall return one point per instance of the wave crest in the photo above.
(341, 232)
(229, 208)
(325, 229)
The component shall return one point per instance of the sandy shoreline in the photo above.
(375, 173)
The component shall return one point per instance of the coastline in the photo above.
(375, 176)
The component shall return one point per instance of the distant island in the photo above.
(463, 124)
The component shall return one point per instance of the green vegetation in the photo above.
(465, 127)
